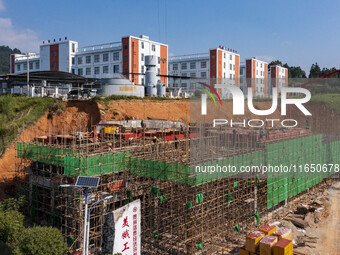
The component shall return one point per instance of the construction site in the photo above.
(183, 211)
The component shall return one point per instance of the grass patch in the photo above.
(19, 111)
(333, 100)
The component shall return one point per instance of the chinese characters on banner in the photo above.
(127, 229)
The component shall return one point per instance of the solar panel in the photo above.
(85, 181)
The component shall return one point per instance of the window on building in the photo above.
(105, 69)
(80, 71)
(212, 67)
(125, 46)
(105, 57)
(142, 81)
(193, 75)
(73, 47)
(96, 58)
(142, 45)
(213, 56)
(241, 71)
(88, 59)
(96, 70)
(73, 61)
(153, 47)
(116, 68)
(224, 55)
(184, 74)
(18, 67)
(37, 65)
(224, 65)
(25, 66)
(203, 75)
(80, 60)
(175, 67)
(142, 56)
(231, 57)
(158, 71)
(192, 65)
(88, 70)
(231, 67)
(56, 53)
(261, 65)
(184, 66)
(73, 71)
(159, 60)
(125, 58)
(224, 75)
(234, 67)
(31, 66)
(115, 56)
(203, 64)
(142, 69)
(230, 76)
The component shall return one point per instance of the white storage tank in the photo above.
(119, 85)
(151, 70)
(161, 89)
(151, 91)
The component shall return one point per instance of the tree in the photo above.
(40, 241)
(5, 53)
(11, 226)
(296, 72)
(315, 71)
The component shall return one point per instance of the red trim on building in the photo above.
(219, 66)
(125, 56)
(248, 72)
(134, 60)
(164, 63)
(265, 79)
(237, 70)
(54, 57)
(213, 67)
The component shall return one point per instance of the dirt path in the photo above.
(329, 228)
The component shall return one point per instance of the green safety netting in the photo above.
(74, 163)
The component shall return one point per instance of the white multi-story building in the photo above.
(278, 77)
(193, 66)
(219, 65)
(96, 61)
(255, 73)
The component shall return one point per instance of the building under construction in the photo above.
(185, 208)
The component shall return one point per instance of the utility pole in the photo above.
(28, 69)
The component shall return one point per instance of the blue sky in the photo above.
(296, 32)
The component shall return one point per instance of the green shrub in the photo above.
(40, 241)
(11, 226)
(13, 204)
